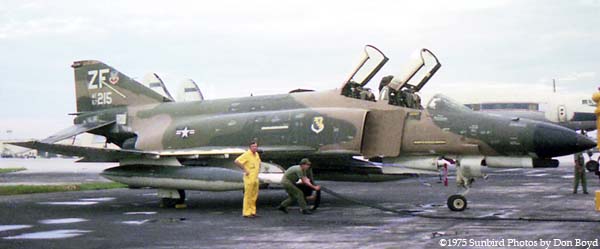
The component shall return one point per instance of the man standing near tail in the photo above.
(249, 162)
(290, 177)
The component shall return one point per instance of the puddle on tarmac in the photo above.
(163, 220)
(553, 196)
(538, 175)
(98, 199)
(170, 220)
(70, 203)
(54, 234)
(143, 213)
(532, 184)
(135, 222)
(430, 205)
(62, 221)
(12, 227)
(442, 234)
(499, 214)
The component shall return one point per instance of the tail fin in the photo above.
(189, 91)
(99, 86)
(152, 81)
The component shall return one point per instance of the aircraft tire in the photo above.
(168, 202)
(173, 202)
(592, 166)
(457, 203)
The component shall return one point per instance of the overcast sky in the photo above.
(234, 48)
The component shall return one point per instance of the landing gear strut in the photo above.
(458, 202)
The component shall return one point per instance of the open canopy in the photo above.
(421, 68)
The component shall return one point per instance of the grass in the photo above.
(32, 189)
(11, 170)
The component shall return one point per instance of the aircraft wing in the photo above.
(226, 150)
(89, 154)
(75, 130)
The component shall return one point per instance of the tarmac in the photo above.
(513, 208)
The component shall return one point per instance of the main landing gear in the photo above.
(172, 198)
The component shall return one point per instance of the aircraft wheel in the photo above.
(168, 202)
(173, 202)
(457, 203)
(592, 166)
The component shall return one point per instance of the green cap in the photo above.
(305, 161)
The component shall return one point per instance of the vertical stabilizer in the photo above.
(189, 91)
(99, 86)
(152, 81)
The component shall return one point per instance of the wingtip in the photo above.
(24, 143)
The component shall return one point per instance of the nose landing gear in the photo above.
(457, 202)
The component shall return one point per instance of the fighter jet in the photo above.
(348, 133)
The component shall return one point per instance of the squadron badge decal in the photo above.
(317, 124)
(114, 77)
(185, 132)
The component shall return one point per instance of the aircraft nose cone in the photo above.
(584, 142)
(552, 141)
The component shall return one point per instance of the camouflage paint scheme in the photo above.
(326, 126)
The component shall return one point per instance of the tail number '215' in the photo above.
(101, 98)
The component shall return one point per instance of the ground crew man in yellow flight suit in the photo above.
(249, 162)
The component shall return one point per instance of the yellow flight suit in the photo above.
(251, 162)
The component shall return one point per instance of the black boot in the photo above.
(282, 209)
(306, 211)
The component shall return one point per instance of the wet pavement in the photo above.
(131, 218)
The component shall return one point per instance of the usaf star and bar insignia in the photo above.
(185, 132)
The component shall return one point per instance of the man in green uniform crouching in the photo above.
(290, 177)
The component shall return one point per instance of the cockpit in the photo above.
(440, 102)
(399, 90)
